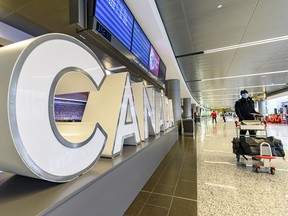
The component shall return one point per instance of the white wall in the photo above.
(275, 103)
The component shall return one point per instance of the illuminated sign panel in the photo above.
(154, 61)
(36, 145)
(37, 142)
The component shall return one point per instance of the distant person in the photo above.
(214, 117)
(224, 117)
(244, 108)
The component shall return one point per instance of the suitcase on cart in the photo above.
(259, 147)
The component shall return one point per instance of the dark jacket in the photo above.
(244, 108)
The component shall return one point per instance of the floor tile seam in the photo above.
(167, 195)
(159, 178)
(177, 181)
(156, 206)
(164, 169)
(185, 198)
(151, 192)
(178, 197)
(194, 155)
(144, 203)
(188, 181)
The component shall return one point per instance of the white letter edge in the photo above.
(29, 145)
(113, 107)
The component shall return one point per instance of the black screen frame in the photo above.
(92, 24)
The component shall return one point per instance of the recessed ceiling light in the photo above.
(219, 6)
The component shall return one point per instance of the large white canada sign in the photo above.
(33, 143)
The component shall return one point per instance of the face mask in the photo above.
(245, 95)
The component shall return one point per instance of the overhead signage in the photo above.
(115, 16)
(140, 44)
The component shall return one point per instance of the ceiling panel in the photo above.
(277, 62)
(179, 33)
(244, 64)
(211, 27)
(225, 73)
(214, 65)
(36, 17)
(194, 86)
(8, 7)
(190, 67)
(268, 21)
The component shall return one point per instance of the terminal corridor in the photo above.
(200, 176)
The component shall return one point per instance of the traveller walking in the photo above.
(244, 109)
(214, 117)
(224, 117)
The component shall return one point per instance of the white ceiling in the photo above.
(192, 26)
(216, 79)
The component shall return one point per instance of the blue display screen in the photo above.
(117, 18)
(140, 44)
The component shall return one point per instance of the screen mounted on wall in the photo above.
(154, 61)
(115, 22)
(162, 71)
(140, 44)
(117, 18)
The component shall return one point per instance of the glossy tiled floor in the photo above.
(172, 189)
(207, 180)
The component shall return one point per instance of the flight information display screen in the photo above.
(117, 18)
(115, 22)
(154, 61)
(140, 44)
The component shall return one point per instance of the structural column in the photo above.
(187, 108)
(256, 105)
(173, 92)
(262, 107)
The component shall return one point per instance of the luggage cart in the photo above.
(265, 157)
(250, 125)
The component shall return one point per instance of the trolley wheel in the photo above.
(272, 170)
(258, 169)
